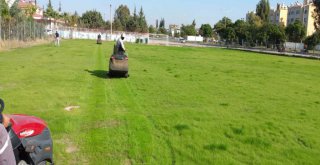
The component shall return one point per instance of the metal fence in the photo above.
(18, 33)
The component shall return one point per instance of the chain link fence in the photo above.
(16, 33)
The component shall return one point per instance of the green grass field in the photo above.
(179, 106)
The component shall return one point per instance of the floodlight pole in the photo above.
(110, 22)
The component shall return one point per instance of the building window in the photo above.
(291, 20)
(297, 12)
(305, 20)
(305, 11)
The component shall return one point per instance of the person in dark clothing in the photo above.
(120, 44)
(57, 39)
(99, 41)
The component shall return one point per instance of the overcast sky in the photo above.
(173, 11)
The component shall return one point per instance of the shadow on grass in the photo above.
(99, 73)
(104, 74)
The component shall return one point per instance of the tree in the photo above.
(132, 25)
(263, 10)
(229, 34)
(74, 19)
(162, 26)
(313, 40)
(221, 26)
(4, 9)
(157, 24)
(50, 4)
(92, 19)
(152, 29)
(296, 31)
(117, 25)
(15, 11)
(162, 23)
(272, 34)
(50, 12)
(30, 10)
(241, 27)
(194, 23)
(67, 18)
(206, 30)
(188, 30)
(142, 22)
(107, 25)
(122, 16)
(255, 20)
(316, 14)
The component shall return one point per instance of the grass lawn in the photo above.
(179, 106)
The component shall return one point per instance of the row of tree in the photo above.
(123, 20)
(255, 30)
(258, 29)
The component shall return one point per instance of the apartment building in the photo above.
(286, 15)
(279, 16)
(25, 4)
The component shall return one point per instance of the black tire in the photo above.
(109, 74)
(126, 75)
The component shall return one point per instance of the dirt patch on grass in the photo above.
(71, 147)
(111, 123)
(71, 108)
(102, 124)
(107, 124)
(126, 162)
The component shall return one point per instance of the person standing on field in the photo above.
(57, 39)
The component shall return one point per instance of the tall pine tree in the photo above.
(316, 14)
(142, 21)
(263, 9)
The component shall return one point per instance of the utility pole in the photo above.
(110, 22)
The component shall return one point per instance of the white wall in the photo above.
(195, 38)
(294, 46)
(71, 34)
